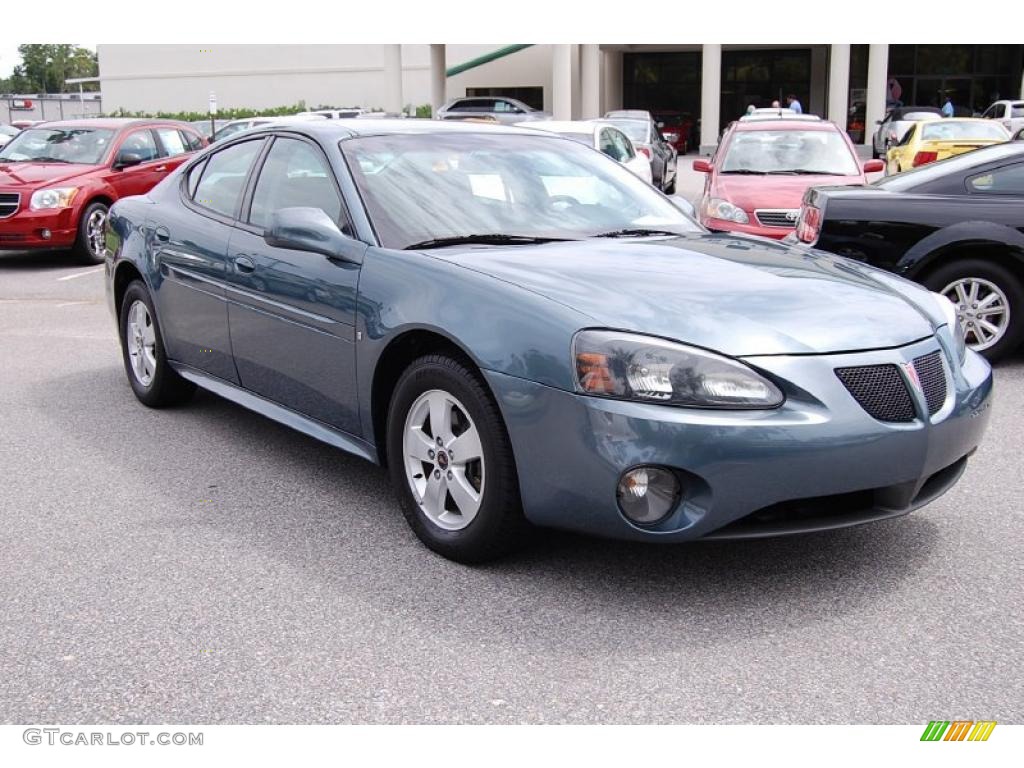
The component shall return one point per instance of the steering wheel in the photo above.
(563, 202)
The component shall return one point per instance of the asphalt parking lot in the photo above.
(204, 564)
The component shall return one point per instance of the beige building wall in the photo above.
(172, 78)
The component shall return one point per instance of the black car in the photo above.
(955, 226)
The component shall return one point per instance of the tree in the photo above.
(46, 68)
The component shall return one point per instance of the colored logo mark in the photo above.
(958, 730)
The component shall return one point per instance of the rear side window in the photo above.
(172, 142)
(223, 177)
(1017, 110)
(192, 140)
(1008, 180)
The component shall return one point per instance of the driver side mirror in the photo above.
(702, 166)
(874, 166)
(126, 160)
(306, 229)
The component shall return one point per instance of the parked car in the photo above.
(602, 136)
(245, 123)
(678, 128)
(955, 226)
(893, 127)
(926, 142)
(206, 128)
(1009, 113)
(649, 142)
(501, 108)
(59, 179)
(523, 331)
(758, 175)
(7, 132)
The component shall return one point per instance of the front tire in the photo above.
(451, 462)
(152, 379)
(90, 245)
(989, 300)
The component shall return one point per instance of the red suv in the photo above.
(762, 167)
(59, 179)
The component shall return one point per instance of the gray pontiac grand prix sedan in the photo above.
(524, 333)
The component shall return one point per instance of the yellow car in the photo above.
(926, 142)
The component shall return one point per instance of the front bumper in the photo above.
(721, 225)
(24, 230)
(817, 462)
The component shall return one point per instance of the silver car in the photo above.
(498, 108)
(894, 126)
(1009, 113)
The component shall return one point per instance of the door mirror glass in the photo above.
(305, 229)
(127, 159)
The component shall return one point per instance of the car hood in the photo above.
(753, 192)
(741, 296)
(14, 175)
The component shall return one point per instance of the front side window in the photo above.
(139, 145)
(87, 146)
(812, 152)
(425, 187)
(223, 177)
(294, 175)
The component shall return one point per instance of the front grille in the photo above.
(9, 202)
(932, 375)
(880, 390)
(777, 218)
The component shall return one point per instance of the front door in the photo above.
(292, 313)
(149, 169)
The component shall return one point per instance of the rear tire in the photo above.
(996, 286)
(463, 504)
(90, 247)
(152, 379)
(671, 188)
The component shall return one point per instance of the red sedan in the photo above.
(59, 179)
(761, 169)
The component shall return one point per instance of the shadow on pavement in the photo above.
(40, 260)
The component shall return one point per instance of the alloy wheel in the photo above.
(982, 309)
(444, 461)
(140, 340)
(94, 234)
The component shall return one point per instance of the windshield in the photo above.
(954, 130)
(59, 145)
(426, 187)
(913, 117)
(637, 130)
(231, 129)
(789, 151)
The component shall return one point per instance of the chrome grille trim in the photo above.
(9, 204)
(777, 217)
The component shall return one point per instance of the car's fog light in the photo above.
(647, 494)
(45, 234)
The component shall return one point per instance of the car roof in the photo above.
(566, 126)
(787, 123)
(636, 114)
(115, 123)
(350, 127)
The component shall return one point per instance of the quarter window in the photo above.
(223, 177)
(1008, 180)
(294, 175)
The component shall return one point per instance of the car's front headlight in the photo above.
(634, 367)
(955, 326)
(717, 208)
(58, 197)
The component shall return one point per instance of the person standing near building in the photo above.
(947, 107)
(794, 104)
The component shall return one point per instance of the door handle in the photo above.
(244, 264)
(161, 235)
(160, 168)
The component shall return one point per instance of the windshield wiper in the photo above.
(46, 160)
(635, 232)
(483, 239)
(812, 172)
(746, 172)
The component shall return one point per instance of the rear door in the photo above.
(292, 313)
(190, 244)
(175, 145)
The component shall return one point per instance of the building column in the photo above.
(590, 81)
(392, 93)
(839, 84)
(710, 96)
(612, 81)
(561, 82)
(438, 78)
(878, 88)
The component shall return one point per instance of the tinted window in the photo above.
(295, 175)
(908, 136)
(172, 141)
(192, 140)
(1017, 110)
(958, 164)
(505, 106)
(223, 179)
(608, 145)
(1008, 180)
(140, 144)
(625, 147)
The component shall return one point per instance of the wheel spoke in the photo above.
(464, 495)
(972, 294)
(466, 447)
(149, 361)
(419, 445)
(987, 328)
(441, 416)
(148, 335)
(992, 298)
(433, 497)
(961, 295)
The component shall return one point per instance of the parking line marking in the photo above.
(80, 274)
